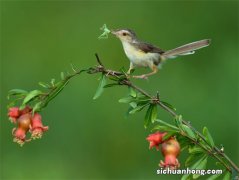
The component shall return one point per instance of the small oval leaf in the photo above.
(227, 176)
(37, 107)
(195, 150)
(132, 92)
(147, 118)
(208, 136)
(168, 105)
(154, 113)
(13, 92)
(45, 85)
(100, 87)
(31, 95)
(188, 131)
(166, 124)
(196, 164)
(201, 165)
(164, 129)
(214, 176)
(137, 109)
(126, 100)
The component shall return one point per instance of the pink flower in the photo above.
(19, 133)
(37, 127)
(13, 114)
(155, 139)
(170, 150)
(26, 122)
(19, 136)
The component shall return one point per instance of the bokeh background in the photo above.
(92, 139)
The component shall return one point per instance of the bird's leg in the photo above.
(131, 67)
(145, 76)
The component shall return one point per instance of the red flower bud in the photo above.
(37, 127)
(155, 139)
(170, 150)
(13, 114)
(26, 110)
(19, 134)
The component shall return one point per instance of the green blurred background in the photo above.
(92, 139)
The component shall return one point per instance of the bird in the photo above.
(142, 54)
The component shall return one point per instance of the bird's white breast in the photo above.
(138, 57)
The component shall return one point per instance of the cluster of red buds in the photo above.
(170, 149)
(26, 122)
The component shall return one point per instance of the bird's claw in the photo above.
(110, 72)
(141, 77)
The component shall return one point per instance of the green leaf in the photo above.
(151, 115)
(14, 92)
(214, 176)
(201, 165)
(195, 150)
(219, 164)
(168, 105)
(37, 107)
(190, 159)
(111, 85)
(163, 129)
(132, 92)
(62, 75)
(100, 87)
(53, 82)
(188, 131)
(137, 109)
(58, 88)
(31, 95)
(178, 121)
(126, 100)
(196, 164)
(208, 136)
(127, 113)
(147, 118)
(11, 104)
(22, 106)
(234, 174)
(122, 77)
(133, 104)
(154, 114)
(45, 85)
(166, 124)
(168, 135)
(227, 176)
(184, 142)
(113, 78)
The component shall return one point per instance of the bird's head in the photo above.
(125, 35)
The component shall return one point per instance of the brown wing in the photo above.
(148, 47)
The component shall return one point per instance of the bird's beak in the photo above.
(114, 32)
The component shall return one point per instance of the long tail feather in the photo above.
(186, 49)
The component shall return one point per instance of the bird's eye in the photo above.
(124, 34)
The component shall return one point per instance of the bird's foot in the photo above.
(141, 77)
(128, 76)
(110, 72)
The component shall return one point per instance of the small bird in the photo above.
(142, 54)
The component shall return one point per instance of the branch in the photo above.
(215, 152)
(39, 100)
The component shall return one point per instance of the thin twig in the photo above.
(98, 59)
